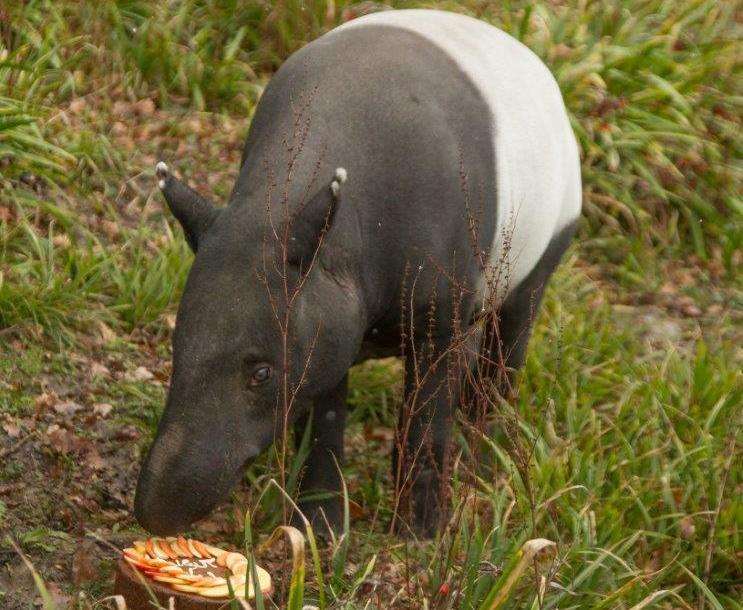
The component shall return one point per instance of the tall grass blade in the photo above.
(708, 595)
(297, 543)
(501, 590)
(46, 597)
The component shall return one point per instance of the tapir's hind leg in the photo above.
(420, 451)
(320, 496)
(504, 347)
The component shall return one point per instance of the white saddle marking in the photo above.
(536, 155)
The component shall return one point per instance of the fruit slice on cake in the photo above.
(194, 567)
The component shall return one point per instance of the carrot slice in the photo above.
(201, 548)
(165, 546)
(158, 550)
(183, 546)
(193, 549)
(150, 546)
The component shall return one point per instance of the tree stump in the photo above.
(129, 585)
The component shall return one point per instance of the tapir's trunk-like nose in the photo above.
(190, 468)
(180, 481)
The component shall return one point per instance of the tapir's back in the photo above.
(537, 169)
(429, 112)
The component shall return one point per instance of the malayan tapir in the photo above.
(375, 155)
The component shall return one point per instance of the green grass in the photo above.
(630, 406)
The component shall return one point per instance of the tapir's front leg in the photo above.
(423, 434)
(320, 497)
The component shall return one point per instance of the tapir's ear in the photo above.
(194, 212)
(310, 223)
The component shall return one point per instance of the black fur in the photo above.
(415, 136)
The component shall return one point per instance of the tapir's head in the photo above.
(232, 349)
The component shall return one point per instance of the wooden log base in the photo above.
(129, 586)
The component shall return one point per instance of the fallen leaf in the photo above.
(44, 401)
(687, 527)
(102, 409)
(142, 373)
(59, 439)
(145, 107)
(68, 408)
(64, 441)
(120, 108)
(94, 460)
(61, 241)
(7, 488)
(379, 433)
(77, 105)
(11, 429)
(355, 510)
(110, 228)
(105, 332)
(561, 51)
(99, 370)
(127, 433)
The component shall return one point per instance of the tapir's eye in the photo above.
(260, 375)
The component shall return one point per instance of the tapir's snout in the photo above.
(167, 506)
(183, 479)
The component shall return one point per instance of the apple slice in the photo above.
(213, 550)
(194, 551)
(141, 566)
(204, 582)
(171, 580)
(165, 546)
(155, 551)
(233, 559)
(149, 546)
(237, 584)
(132, 554)
(203, 550)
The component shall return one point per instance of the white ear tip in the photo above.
(161, 170)
(341, 175)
